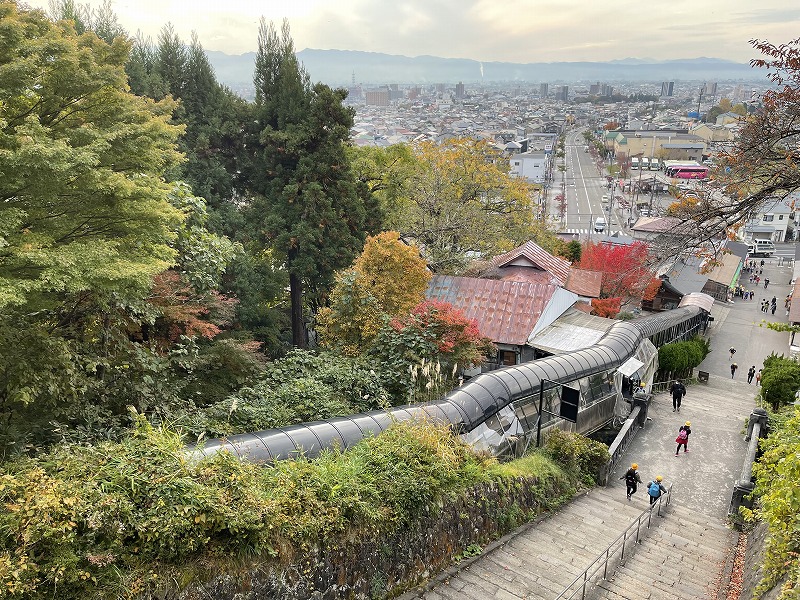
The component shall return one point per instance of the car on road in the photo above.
(599, 225)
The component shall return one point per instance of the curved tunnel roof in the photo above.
(466, 407)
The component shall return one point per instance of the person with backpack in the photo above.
(732, 351)
(678, 391)
(683, 437)
(655, 489)
(631, 478)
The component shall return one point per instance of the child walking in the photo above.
(683, 437)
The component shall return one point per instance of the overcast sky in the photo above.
(486, 30)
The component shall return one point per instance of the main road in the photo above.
(584, 190)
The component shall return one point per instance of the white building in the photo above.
(531, 165)
(772, 222)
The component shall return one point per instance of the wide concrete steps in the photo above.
(682, 558)
(540, 563)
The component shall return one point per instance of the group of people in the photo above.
(751, 372)
(655, 487)
(767, 305)
(632, 480)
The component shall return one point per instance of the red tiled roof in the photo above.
(531, 254)
(584, 283)
(506, 311)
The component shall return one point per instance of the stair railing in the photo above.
(586, 578)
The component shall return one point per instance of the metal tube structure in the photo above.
(465, 408)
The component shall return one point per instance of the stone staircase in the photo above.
(542, 561)
(680, 556)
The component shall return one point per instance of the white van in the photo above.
(599, 225)
(760, 248)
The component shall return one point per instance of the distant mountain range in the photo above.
(337, 68)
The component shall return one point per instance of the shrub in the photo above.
(780, 381)
(114, 520)
(580, 456)
(777, 472)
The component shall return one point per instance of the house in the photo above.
(711, 133)
(666, 297)
(530, 262)
(649, 228)
(510, 313)
(773, 222)
(723, 277)
(531, 166)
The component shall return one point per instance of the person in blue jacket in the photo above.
(655, 489)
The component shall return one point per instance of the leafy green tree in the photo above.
(780, 381)
(84, 206)
(777, 472)
(87, 225)
(102, 20)
(308, 205)
(572, 251)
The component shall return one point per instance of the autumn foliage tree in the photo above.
(422, 352)
(387, 280)
(606, 307)
(625, 268)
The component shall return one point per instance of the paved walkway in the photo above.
(682, 556)
(739, 326)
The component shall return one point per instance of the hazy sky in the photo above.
(485, 30)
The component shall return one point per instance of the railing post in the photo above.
(638, 525)
(605, 566)
(583, 593)
(624, 537)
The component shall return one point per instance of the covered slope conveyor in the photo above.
(496, 410)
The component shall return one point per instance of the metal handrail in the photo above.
(607, 554)
(663, 386)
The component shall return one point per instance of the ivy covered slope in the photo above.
(124, 520)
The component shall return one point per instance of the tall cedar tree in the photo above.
(308, 205)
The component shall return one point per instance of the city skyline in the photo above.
(482, 30)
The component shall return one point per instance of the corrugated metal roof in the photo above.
(534, 254)
(727, 271)
(700, 299)
(572, 331)
(794, 309)
(506, 311)
(584, 283)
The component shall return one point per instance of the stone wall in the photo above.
(364, 565)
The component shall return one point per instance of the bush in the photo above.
(780, 381)
(676, 360)
(305, 386)
(123, 520)
(578, 455)
(778, 498)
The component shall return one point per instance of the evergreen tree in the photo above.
(308, 205)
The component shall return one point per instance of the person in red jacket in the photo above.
(683, 437)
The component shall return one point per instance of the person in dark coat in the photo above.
(678, 391)
(734, 366)
(683, 437)
(631, 478)
(751, 373)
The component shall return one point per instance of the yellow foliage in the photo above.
(387, 280)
